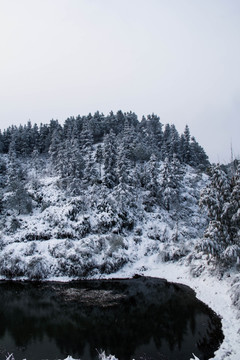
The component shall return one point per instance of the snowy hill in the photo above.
(93, 233)
(106, 196)
(85, 198)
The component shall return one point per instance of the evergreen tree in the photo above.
(170, 183)
(17, 197)
(36, 164)
(139, 149)
(154, 133)
(99, 160)
(199, 158)
(90, 172)
(44, 139)
(86, 137)
(56, 148)
(97, 126)
(185, 149)
(122, 172)
(153, 185)
(215, 198)
(150, 179)
(166, 146)
(109, 160)
(174, 143)
(233, 207)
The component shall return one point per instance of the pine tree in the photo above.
(199, 159)
(150, 180)
(17, 197)
(185, 149)
(86, 137)
(166, 146)
(96, 126)
(55, 147)
(109, 160)
(170, 183)
(154, 133)
(122, 171)
(216, 199)
(174, 143)
(153, 185)
(99, 160)
(235, 206)
(90, 172)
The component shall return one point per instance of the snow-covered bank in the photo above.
(215, 293)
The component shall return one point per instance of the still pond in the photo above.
(139, 318)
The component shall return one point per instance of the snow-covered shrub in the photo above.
(231, 255)
(151, 248)
(213, 242)
(32, 236)
(18, 200)
(44, 205)
(105, 222)
(137, 239)
(113, 264)
(165, 235)
(12, 266)
(10, 357)
(173, 252)
(30, 248)
(102, 356)
(72, 267)
(83, 227)
(138, 231)
(154, 233)
(197, 270)
(14, 224)
(37, 268)
(56, 250)
(116, 242)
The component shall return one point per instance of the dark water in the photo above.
(141, 318)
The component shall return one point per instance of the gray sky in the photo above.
(177, 58)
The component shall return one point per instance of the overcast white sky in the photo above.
(177, 58)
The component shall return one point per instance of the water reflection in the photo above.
(137, 318)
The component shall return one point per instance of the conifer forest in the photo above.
(88, 196)
(100, 194)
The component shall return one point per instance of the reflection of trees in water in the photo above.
(126, 314)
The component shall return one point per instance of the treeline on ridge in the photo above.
(140, 139)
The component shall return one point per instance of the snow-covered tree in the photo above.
(16, 196)
(170, 182)
(55, 147)
(221, 199)
(109, 160)
(86, 137)
(90, 172)
(99, 160)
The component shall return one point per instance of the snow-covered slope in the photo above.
(102, 232)
(93, 233)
